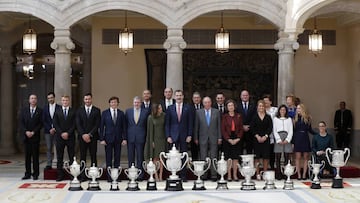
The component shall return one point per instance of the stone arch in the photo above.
(272, 10)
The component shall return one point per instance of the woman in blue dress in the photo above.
(301, 141)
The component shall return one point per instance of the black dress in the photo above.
(232, 151)
(261, 127)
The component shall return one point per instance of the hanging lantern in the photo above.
(315, 41)
(126, 38)
(222, 39)
(29, 40)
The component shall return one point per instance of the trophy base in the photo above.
(133, 186)
(248, 186)
(269, 186)
(75, 188)
(114, 187)
(337, 183)
(151, 185)
(315, 186)
(174, 185)
(288, 185)
(199, 186)
(222, 186)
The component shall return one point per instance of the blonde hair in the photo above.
(305, 117)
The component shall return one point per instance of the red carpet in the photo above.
(4, 162)
(42, 185)
(326, 184)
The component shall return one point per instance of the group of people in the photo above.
(203, 127)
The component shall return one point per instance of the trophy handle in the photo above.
(208, 160)
(190, 164)
(126, 172)
(101, 172)
(214, 162)
(322, 165)
(327, 152)
(162, 154)
(66, 166)
(186, 160)
(347, 150)
(144, 166)
(139, 172)
(309, 165)
(87, 172)
(109, 170)
(83, 164)
(120, 169)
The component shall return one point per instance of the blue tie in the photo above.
(65, 113)
(207, 117)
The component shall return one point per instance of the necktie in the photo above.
(32, 112)
(65, 113)
(114, 116)
(178, 112)
(221, 109)
(88, 112)
(245, 108)
(136, 116)
(207, 115)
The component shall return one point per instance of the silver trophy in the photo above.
(269, 177)
(132, 173)
(288, 170)
(93, 172)
(221, 168)
(75, 170)
(247, 170)
(315, 169)
(199, 170)
(114, 174)
(337, 162)
(173, 164)
(151, 169)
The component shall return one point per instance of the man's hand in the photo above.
(86, 138)
(124, 142)
(52, 131)
(188, 139)
(103, 142)
(29, 134)
(246, 128)
(65, 135)
(219, 141)
(169, 140)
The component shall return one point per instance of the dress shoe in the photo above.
(48, 167)
(25, 177)
(35, 177)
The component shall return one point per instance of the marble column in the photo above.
(86, 72)
(174, 68)
(7, 112)
(62, 45)
(286, 73)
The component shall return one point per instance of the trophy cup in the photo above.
(199, 171)
(337, 162)
(173, 164)
(221, 167)
(151, 168)
(315, 168)
(75, 171)
(247, 170)
(93, 172)
(114, 174)
(288, 170)
(269, 177)
(132, 173)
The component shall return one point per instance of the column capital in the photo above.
(175, 42)
(62, 42)
(286, 45)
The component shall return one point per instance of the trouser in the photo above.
(32, 151)
(60, 148)
(50, 141)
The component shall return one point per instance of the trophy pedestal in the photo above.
(174, 185)
(248, 185)
(222, 185)
(133, 186)
(269, 186)
(94, 186)
(151, 185)
(337, 183)
(199, 185)
(315, 185)
(288, 185)
(114, 186)
(75, 186)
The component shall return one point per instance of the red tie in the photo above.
(178, 112)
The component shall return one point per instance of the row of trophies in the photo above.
(176, 161)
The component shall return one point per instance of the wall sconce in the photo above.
(222, 39)
(29, 40)
(126, 38)
(315, 41)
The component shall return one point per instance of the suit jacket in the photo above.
(47, 120)
(162, 102)
(216, 106)
(143, 105)
(178, 131)
(28, 123)
(226, 126)
(247, 118)
(347, 119)
(65, 125)
(88, 125)
(205, 133)
(110, 132)
(136, 132)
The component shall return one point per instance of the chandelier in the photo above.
(29, 40)
(315, 41)
(126, 38)
(222, 39)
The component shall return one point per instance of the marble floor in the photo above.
(12, 189)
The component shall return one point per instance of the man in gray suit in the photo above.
(207, 132)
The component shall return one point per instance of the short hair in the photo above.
(196, 93)
(222, 93)
(114, 98)
(137, 98)
(65, 96)
(323, 122)
(182, 92)
(267, 96)
(88, 94)
(230, 101)
(51, 93)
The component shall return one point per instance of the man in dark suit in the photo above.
(146, 99)
(136, 122)
(220, 102)
(112, 133)
(49, 130)
(87, 125)
(196, 100)
(179, 123)
(247, 111)
(342, 125)
(31, 123)
(207, 132)
(168, 100)
(64, 123)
